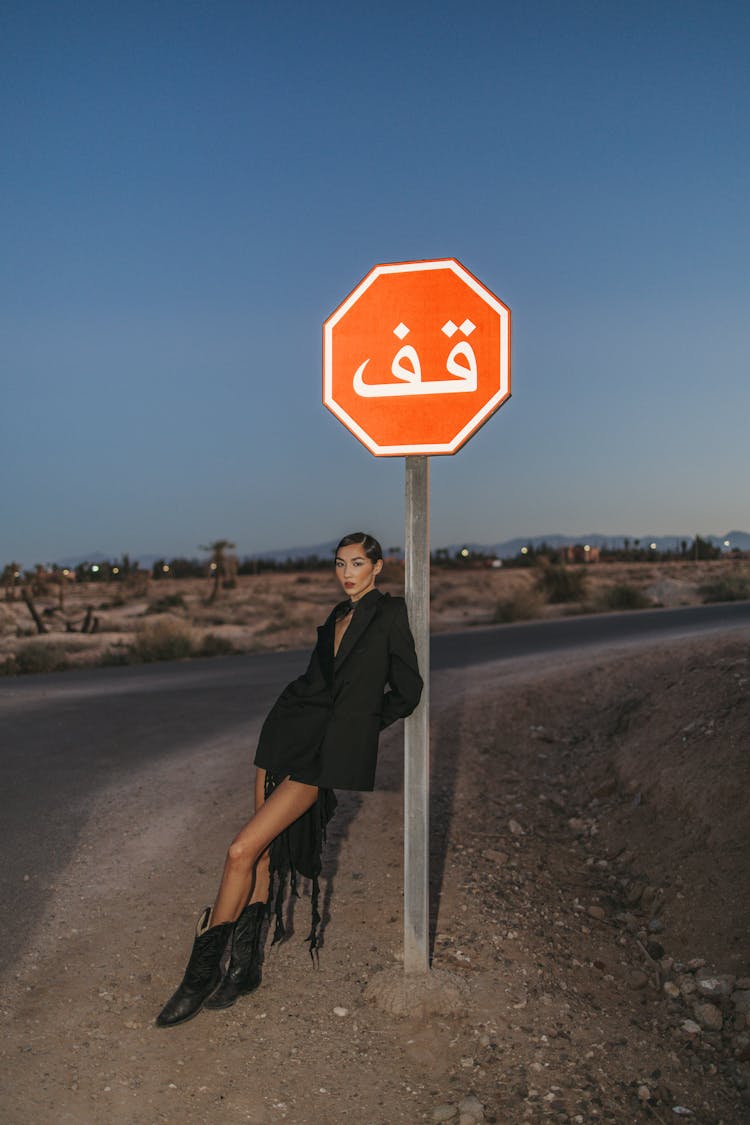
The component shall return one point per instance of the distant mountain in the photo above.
(511, 547)
(92, 557)
(739, 539)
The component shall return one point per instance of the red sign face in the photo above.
(417, 358)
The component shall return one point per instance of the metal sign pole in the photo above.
(417, 728)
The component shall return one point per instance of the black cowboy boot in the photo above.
(202, 975)
(243, 973)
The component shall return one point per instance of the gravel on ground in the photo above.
(590, 829)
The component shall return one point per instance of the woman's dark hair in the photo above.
(371, 547)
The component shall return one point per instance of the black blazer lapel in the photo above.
(363, 615)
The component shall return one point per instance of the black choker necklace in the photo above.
(345, 608)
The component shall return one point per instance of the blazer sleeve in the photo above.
(404, 680)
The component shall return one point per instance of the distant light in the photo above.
(17, 574)
(727, 543)
(66, 571)
(213, 566)
(652, 546)
(465, 553)
(115, 570)
(165, 568)
(587, 547)
(95, 568)
(524, 550)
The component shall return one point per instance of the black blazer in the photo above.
(324, 727)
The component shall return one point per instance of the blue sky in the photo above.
(189, 189)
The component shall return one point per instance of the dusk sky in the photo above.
(189, 190)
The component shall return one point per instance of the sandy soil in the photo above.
(589, 828)
(280, 611)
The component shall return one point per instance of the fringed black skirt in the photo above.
(298, 851)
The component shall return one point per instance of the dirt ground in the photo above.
(590, 830)
(273, 611)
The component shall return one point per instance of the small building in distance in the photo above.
(579, 553)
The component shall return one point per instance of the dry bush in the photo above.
(280, 622)
(37, 656)
(167, 603)
(166, 639)
(213, 644)
(733, 588)
(452, 601)
(7, 621)
(623, 596)
(524, 605)
(561, 583)
(205, 615)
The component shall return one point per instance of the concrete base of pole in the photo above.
(417, 995)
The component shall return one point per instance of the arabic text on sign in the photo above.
(407, 368)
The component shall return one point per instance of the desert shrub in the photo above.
(523, 606)
(735, 588)
(115, 602)
(118, 657)
(279, 623)
(561, 583)
(39, 657)
(303, 597)
(215, 645)
(205, 617)
(169, 639)
(454, 601)
(165, 604)
(624, 596)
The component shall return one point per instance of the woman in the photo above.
(321, 734)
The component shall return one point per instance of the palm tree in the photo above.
(219, 566)
(9, 579)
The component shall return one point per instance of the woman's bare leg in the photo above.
(289, 800)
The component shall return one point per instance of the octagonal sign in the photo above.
(417, 358)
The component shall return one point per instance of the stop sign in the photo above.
(417, 358)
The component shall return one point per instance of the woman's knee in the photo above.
(242, 853)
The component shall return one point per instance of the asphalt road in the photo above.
(65, 736)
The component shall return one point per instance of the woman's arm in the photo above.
(404, 679)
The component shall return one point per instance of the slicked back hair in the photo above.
(370, 545)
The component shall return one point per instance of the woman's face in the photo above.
(355, 572)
